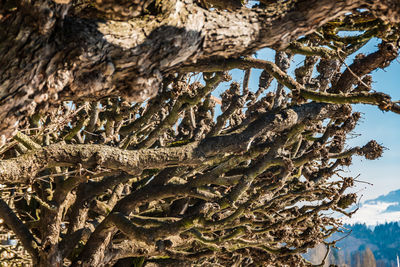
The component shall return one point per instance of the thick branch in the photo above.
(22, 168)
(364, 65)
(378, 99)
(20, 229)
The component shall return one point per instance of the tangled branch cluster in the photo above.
(173, 180)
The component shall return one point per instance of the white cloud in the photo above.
(373, 214)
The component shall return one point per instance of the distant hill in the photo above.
(393, 196)
(374, 228)
(380, 246)
(383, 209)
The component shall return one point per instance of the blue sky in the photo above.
(384, 127)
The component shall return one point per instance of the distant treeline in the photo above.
(364, 247)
